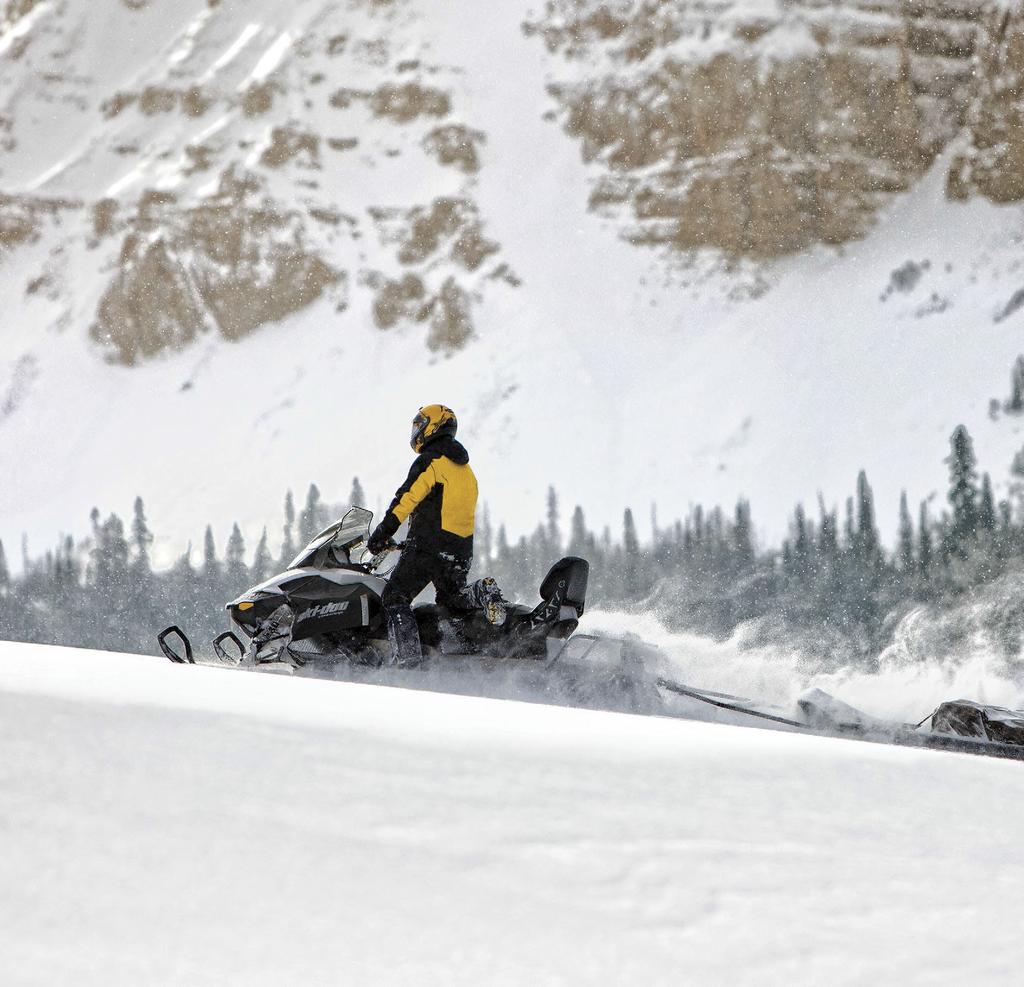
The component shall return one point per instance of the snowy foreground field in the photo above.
(167, 825)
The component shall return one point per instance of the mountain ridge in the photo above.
(474, 272)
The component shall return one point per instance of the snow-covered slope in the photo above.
(169, 825)
(623, 376)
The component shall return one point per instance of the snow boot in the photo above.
(494, 605)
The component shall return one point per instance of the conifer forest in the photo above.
(832, 586)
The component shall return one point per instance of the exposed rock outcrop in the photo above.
(761, 131)
(448, 230)
(455, 144)
(400, 103)
(23, 217)
(231, 264)
(14, 10)
(993, 165)
(157, 100)
(452, 224)
(232, 169)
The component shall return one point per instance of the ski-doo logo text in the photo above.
(324, 610)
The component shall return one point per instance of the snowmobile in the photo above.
(325, 609)
(322, 617)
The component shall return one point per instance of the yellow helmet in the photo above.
(431, 422)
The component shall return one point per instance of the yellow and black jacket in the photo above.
(440, 494)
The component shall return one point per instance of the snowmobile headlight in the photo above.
(253, 599)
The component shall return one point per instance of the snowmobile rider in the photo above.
(439, 495)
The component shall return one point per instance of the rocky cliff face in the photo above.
(241, 164)
(229, 263)
(236, 163)
(993, 164)
(760, 129)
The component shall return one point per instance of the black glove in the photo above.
(378, 541)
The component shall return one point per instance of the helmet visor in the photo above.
(419, 427)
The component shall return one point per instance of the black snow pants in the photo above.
(418, 567)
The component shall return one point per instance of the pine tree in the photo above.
(211, 567)
(1005, 533)
(552, 532)
(188, 603)
(1017, 484)
(503, 547)
(69, 554)
(142, 538)
(719, 549)
(288, 545)
(537, 548)
(849, 528)
(924, 543)
(743, 536)
(688, 543)
(698, 527)
(309, 519)
(486, 539)
(261, 560)
(828, 532)
(963, 492)
(630, 540)
(72, 569)
(906, 536)
(631, 556)
(183, 566)
(987, 506)
(867, 532)
(1016, 402)
(94, 524)
(577, 533)
(111, 585)
(5, 573)
(209, 548)
(235, 569)
(801, 552)
(182, 571)
(143, 599)
(356, 498)
(111, 557)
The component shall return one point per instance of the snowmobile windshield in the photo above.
(353, 528)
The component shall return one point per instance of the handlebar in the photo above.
(392, 546)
